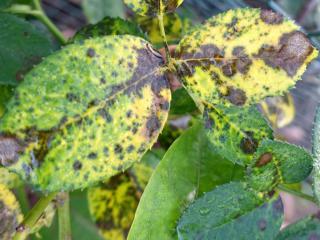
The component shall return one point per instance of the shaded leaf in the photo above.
(305, 229)
(21, 47)
(174, 27)
(108, 26)
(152, 7)
(10, 213)
(95, 10)
(236, 132)
(242, 56)
(182, 103)
(85, 113)
(186, 172)
(278, 162)
(230, 212)
(5, 3)
(316, 153)
(6, 93)
(280, 111)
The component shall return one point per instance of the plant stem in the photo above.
(297, 193)
(33, 216)
(64, 217)
(40, 14)
(163, 35)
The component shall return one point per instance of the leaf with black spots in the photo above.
(21, 47)
(307, 228)
(10, 213)
(75, 116)
(236, 132)
(108, 26)
(277, 162)
(231, 211)
(153, 7)
(242, 56)
(186, 172)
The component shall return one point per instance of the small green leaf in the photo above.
(182, 103)
(10, 213)
(186, 172)
(95, 10)
(278, 162)
(230, 212)
(108, 26)
(316, 153)
(305, 229)
(152, 7)
(174, 27)
(86, 113)
(236, 132)
(242, 56)
(21, 47)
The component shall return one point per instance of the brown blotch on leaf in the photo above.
(9, 151)
(236, 96)
(270, 17)
(262, 224)
(91, 52)
(77, 165)
(229, 68)
(290, 54)
(248, 144)
(264, 159)
(277, 205)
(242, 62)
(153, 125)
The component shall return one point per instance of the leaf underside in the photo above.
(242, 56)
(85, 113)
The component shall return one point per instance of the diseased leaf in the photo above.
(278, 162)
(305, 229)
(182, 103)
(236, 132)
(9, 179)
(108, 26)
(185, 173)
(21, 47)
(95, 10)
(279, 110)
(231, 211)
(86, 113)
(242, 56)
(174, 27)
(10, 213)
(316, 154)
(152, 7)
(112, 206)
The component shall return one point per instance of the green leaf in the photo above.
(5, 3)
(182, 103)
(6, 93)
(316, 153)
(186, 172)
(10, 213)
(86, 113)
(278, 162)
(95, 10)
(305, 229)
(242, 56)
(108, 26)
(174, 27)
(236, 132)
(230, 212)
(151, 7)
(21, 47)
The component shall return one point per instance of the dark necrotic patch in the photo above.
(209, 122)
(153, 125)
(165, 105)
(291, 52)
(262, 224)
(77, 165)
(229, 68)
(264, 159)
(236, 96)
(277, 206)
(92, 155)
(248, 144)
(118, 149)
(271, 17)
(91, 52)
(106, 151)
(242, 60)
(130, 148)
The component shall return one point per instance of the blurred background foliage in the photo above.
(291, 116)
